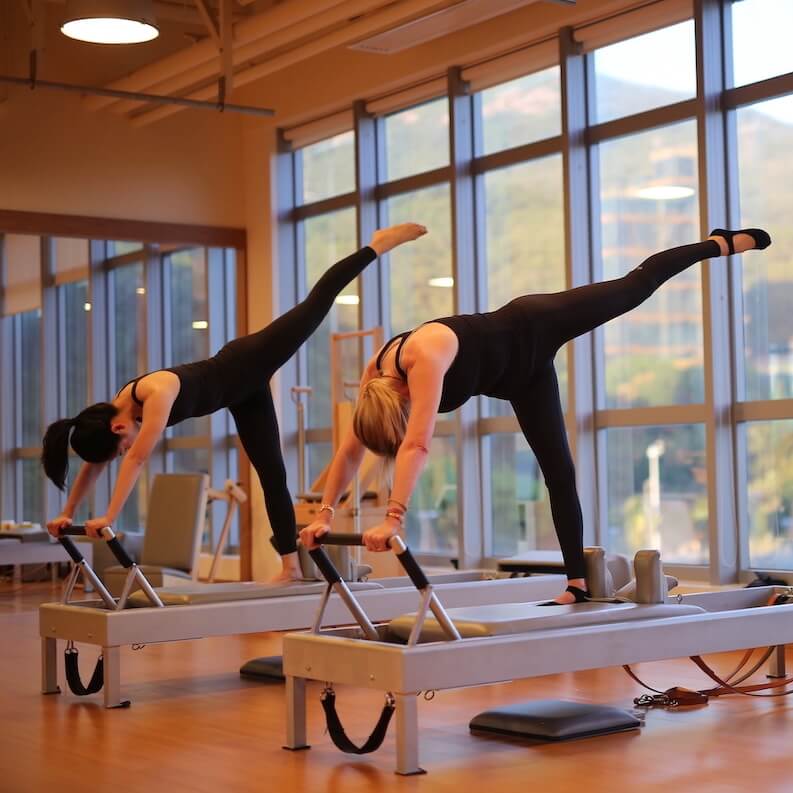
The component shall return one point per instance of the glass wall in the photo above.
(654, 393)
(57, 354)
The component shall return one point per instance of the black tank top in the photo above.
(201, 390)
(487, 345)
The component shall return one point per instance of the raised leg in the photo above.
(407, 735)
(776, 664)
(295, 713)
(49, 666)
(112, 678)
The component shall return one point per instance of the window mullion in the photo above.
(720, 434)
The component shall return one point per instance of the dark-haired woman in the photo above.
(507, 354)
(236, 378)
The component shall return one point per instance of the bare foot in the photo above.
(286, 577)
(290, 570)
(384, 240)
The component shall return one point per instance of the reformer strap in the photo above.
(71, 662)
(339, 736)
(678, 696)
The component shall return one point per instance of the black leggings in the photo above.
(263, 353)
(561, 317)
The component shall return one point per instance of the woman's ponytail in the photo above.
(55, 451)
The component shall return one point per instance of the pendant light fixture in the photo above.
(110, 21)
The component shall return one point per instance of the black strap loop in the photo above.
(339, 737)
(71, 661)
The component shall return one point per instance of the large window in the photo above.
(328, 168)
(684, 398)
(416, 140)
(644, 72)
(421, 274)
(648, 202)
(521, 111)
(96, 328)
(761, 39)
(765, 137)
(327, 239)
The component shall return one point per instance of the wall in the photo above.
(55, 156)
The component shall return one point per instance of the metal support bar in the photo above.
(317, 626)
(296, 713)
(112, 678)
(776, 665)
(137, 96)
(421, 615)
(343, 591)
(407, 737)
(49, 666)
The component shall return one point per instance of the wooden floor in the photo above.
(195, 726)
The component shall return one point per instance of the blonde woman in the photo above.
(507, 354)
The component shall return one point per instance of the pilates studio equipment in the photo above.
(202, 609)
(479, 645)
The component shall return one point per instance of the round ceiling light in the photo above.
(110, 21)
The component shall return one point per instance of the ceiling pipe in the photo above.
(381, 21)
(153, 98)
(241, 55)
(246, 31)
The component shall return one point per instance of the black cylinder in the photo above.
(326, 567)
(71, 549)
(340, 538)
(120, 553)
(413, 570)
(76, 530)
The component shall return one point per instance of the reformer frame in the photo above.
(735, 620)
(102, 623)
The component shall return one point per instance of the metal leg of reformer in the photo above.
(296, 713)
(112, 678)
(341, 589)
(49, 666)
(776, 664)
(407, 734)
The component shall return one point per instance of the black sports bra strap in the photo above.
(387, 346)
(135, 392)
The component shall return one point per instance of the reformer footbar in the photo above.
(429, 602)
(81, 567)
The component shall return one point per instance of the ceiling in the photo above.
(184, 61)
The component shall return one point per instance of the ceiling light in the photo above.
(110, 21)
(445, 281)
(200, 324)
(665, 192)
(87, 306)
(348, 300)
(141, 290)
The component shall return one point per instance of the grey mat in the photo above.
(554, 720)
(510, 618)
(268, 670)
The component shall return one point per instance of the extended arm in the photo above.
(425, 382)
(156, 409)
(83, 483)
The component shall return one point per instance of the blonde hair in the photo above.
(381, 417)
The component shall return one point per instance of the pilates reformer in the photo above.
(481, 645)
(198, 610)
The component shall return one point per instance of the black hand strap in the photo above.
(339, 737)
(71, 662)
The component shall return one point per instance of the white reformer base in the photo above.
(733, 620)
(87, 622)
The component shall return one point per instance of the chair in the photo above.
(174, 526)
